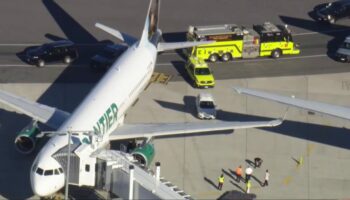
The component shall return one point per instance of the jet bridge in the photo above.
(116, 172)
(127, 179)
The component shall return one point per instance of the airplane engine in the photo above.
(26, 138)
(144, 154)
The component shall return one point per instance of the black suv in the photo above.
(331, 12)
(63, 50)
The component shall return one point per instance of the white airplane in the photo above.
(103, 110)
(333, 110)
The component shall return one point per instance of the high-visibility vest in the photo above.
(221, 179)
(249, 184)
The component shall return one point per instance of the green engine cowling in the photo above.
(144, 154)
(26, 138)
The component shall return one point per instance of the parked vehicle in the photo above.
(205, 105)
(63, 50)
(199, 72)
(332, 12)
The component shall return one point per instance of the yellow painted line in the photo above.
(310, 148)
(287, 180)
(163, 78)
(155, 76)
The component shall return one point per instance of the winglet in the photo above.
(121, 36)
(275, 122)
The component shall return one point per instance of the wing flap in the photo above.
(170, 129)
(53, 117)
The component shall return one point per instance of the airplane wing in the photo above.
(168, 129)
(165, 46)
(50, 116)
(334, 110)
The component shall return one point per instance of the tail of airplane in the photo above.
(150, 31)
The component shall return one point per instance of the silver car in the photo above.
(206, 108)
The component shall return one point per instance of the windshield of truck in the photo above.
(206, 104)
(202, 71)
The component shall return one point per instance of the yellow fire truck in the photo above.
(232, 41)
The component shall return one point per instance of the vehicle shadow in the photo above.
(323, 134)
(180, 68)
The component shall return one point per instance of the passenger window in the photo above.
(57, 172)
(39, 171)
(87, 168)
(48, 172)
(61, 170)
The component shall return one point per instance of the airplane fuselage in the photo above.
(101, 111)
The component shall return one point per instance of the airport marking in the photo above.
(55, 66)
(315, 32)
(170, 64)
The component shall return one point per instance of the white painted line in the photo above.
(168, 53)
(164, 64)
(29, 44)
(170, 64)
(38, 44)
(314, 33)
(33, 66)
(284, 58)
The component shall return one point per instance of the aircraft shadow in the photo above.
(338, 32)
(176, 37)
(334, 136)
(66, 92)
(238, 195)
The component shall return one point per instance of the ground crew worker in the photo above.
(257, 162)
(238, 172)
(221, 181)
(248, 173)
(249, 185)
(267, 177)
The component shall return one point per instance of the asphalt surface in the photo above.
(29, 23)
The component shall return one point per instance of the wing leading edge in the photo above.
(50, 116)
(334, 110)
(129, 131)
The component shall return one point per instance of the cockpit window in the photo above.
(57, 172)
(40, 171)
(61, 170)
(48, 172)
(34, 167)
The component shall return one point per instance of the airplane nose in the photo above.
(44, 186)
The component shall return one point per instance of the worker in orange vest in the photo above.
(238, 172)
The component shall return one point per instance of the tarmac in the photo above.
(193, 163)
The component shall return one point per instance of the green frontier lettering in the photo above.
(106, 120)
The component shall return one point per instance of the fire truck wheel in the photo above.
(226, 57)
(276, 53)
(213, 57)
